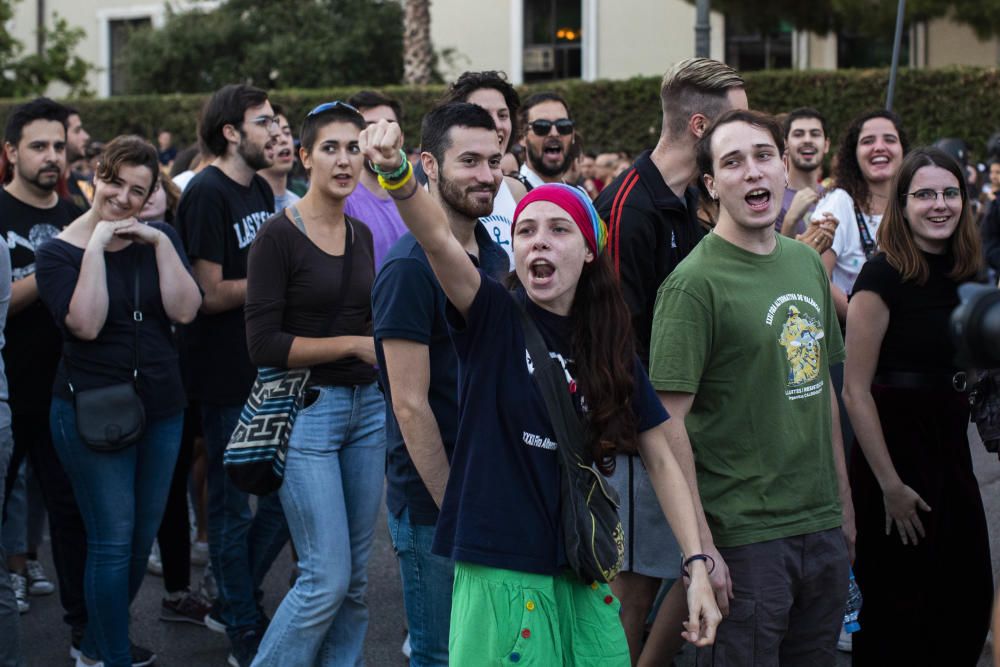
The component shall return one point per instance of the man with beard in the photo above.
(651, 212)
(218, 218)
(806, 144)
(31, 212)
(547, 131)
(283, 159)
(418, 367)
(369, 203)
(81, 189)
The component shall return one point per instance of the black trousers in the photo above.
(174, 536)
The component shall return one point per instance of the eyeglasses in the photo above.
(564, 126)
(329, 106)
(267, 121)
(928, 195)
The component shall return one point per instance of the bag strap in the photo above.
(552, 383)
(866, 236)
(345, 273)
(136, 318)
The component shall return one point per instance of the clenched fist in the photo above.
(381, 144)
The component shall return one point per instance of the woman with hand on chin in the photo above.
(86, 278)
(514, 597)
(922, 545)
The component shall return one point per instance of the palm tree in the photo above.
(417, 51)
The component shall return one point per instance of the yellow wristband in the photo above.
(386, 185)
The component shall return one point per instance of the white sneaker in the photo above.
(846, 641)
(406, 646)
(20, 586)
(38, 582)
(81, 662)
(154, 565)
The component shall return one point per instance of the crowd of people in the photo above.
(757, 353)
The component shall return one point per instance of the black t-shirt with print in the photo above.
(33, 345)
(218, 219)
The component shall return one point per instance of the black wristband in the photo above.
(702, 557)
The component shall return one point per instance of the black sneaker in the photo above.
(189, 608)
(244, 648)
(141, 657)
(213, 619)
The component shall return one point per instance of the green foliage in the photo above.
(24, 75)
(270, 43)
(611, 115)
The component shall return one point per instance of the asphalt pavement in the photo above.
(45, 638)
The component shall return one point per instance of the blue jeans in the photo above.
(242, 545)
(334, 474)
(427, 583)
(121, 497)
(10, 638)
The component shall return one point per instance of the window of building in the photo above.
(855, 50)
(749, 49)
(119, 32)
(552, 36)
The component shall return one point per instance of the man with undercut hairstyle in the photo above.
(651, 211)
(547, 130)
(418, 367)
(744, 334)
(369, 202)
(218, 217)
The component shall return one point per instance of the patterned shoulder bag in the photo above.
(255, 455)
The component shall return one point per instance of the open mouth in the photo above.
(759, 199)
(808, 152)
(342, 179)
(553, 150)
(880, 160)
(940, 219)
(285, 154)
(541, 270)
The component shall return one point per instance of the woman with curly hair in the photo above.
(867, 159)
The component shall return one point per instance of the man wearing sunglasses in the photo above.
(651, 211)
(218, 218)
(547, 135)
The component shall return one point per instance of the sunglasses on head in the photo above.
(329, 106)
(541, 128)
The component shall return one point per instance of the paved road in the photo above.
(46, 639)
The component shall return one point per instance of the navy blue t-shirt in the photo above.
(501, 506)
(408, 303)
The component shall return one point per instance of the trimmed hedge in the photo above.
(950, 102)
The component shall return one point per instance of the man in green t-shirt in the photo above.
(744, 333)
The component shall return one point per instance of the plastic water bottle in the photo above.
(851, 624)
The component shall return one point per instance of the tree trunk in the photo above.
(417, 51)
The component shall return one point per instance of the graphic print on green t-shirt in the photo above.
(752, 337)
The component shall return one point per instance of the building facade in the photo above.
(535, 40)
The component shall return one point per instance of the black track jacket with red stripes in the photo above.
(650, 231)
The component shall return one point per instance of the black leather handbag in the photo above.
(111, 418)
(592, 531)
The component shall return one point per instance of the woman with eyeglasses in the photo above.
(923, 554)
(309, 280)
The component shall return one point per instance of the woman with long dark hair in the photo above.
(922, 548)
(514, 597)
(309, 283)
(88, 277)
(869, 156)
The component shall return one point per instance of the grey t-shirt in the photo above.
(4, 304)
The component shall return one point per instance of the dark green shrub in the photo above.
(951, 102)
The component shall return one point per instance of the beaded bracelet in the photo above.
(702, 557)
(393, 175)
(386, 185)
